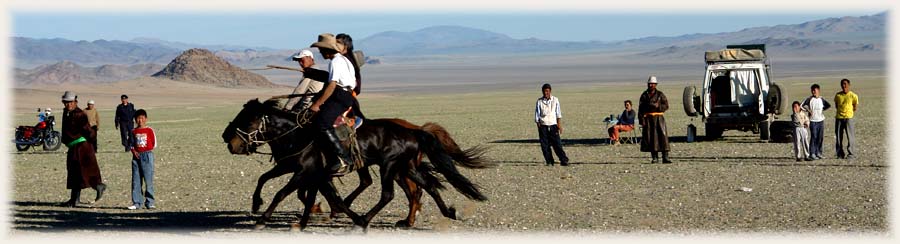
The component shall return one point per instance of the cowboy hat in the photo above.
(327, 41)
(69, 96)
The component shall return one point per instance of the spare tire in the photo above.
(688, 99)
(776, 101)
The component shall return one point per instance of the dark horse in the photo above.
(395, 147)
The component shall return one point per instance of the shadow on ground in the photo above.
(47, 217)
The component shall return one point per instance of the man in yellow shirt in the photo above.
(846, 103)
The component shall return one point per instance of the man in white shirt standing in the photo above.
(548, 118)
(816, 105)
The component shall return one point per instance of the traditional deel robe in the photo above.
(655, 137)
(82, 170)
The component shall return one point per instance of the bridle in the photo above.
(257, 137)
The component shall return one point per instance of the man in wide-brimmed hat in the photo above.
(333, 100)
(82, 170)
(653, 105)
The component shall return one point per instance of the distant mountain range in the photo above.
(69, 72)
(864, 35)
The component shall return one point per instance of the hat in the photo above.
(303, 53)
(91, 102)
(48, 110)
(652, 80)
(124, 96)
(327, 40)
(69, 96)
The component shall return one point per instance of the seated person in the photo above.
(625, 124)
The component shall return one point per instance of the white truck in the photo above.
(737, 93)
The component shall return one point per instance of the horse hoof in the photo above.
(259, 226)
(402, 224)
(359, 229)
(454, 214)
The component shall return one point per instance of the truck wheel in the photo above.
(713, 132)
(764, 130)
(776, 101)
(688, 99)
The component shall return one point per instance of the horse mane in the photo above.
(402, 123)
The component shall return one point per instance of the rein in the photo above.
(257, 137)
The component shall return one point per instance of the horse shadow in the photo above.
(46, 217)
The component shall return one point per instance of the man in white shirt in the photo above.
(548, 118)
(816, 105)
(333, 100)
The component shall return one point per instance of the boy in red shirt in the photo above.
(144, 141)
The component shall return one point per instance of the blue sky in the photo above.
(292, 30)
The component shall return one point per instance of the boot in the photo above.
(666, 158)
(338, 161)
(655, 156)
(100, 188)
(74, 197)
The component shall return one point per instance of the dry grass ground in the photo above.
(203, 190)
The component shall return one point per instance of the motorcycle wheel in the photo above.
(52, 142)
(22, 147)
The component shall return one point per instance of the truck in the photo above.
(737, 93)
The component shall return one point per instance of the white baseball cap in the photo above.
(303, 53)
(91, 102)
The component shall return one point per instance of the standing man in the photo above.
(94, 120)
(82, 170)
(816, 105)
(307, 85)
(548, 118)
(125, 121)
(655, 137)
(846, 103)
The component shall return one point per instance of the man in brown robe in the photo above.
(655, 139)
(82, 170)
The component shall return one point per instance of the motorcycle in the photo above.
(41, 134)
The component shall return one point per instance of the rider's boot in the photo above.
(337, 162)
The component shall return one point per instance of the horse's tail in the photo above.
(443, 163)
(472, 158)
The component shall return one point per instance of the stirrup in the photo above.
(343, 170)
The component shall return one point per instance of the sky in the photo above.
(291, 29)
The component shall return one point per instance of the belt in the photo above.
(654, 114)
(75, 142)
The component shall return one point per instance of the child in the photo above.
(142, 162)
(801, 136)
(816, 105)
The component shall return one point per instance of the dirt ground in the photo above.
(609, 190)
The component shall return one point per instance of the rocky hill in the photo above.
(70, 72)
(203, 67)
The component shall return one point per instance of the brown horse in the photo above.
(395, 148)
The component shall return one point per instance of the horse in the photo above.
(395, 148)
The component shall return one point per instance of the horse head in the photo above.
(257, 124)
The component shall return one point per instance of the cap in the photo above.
(124, 96)
(652, 80)
(303, 53)
(91, 102)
